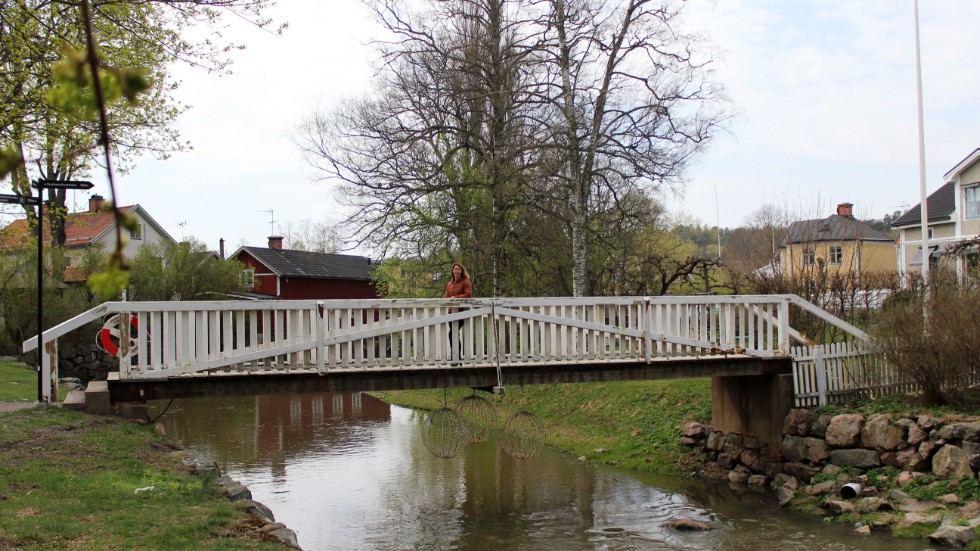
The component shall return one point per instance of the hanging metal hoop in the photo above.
(445, 433)
(480, 416)
(523, 435)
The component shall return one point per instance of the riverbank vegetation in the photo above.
(75, 481)
(635, 425)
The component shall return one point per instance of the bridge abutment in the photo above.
(752, 405)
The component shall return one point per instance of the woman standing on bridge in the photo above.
(459, 286)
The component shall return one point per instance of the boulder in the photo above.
(716, 441)
(757, 480)
(954, 536)
(951, 462)
(687, 524)
(801, 471)
(792, 448)
(818, 426)
(928, 422)
(844, 431)
(837, 507)
(927, 448)
(797, 422)
(753, 460)
(695, 430)
(726, 461)
(822, 488)
(961, 431)
(916, 435)
(737, 477)
(880, 433)
(873, 504)
(911, 460)
(856, 457)
(815, 450)
(784, 495)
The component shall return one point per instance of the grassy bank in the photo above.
(75, 481)
(636, 425)
(18, 383)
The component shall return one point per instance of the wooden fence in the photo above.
(838, 372)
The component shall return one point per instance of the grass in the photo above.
(18, 383)
(636, 425)
(905, 403)
(69, 481)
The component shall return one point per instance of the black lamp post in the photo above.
(41, 185)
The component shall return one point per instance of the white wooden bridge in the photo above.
(503, 339)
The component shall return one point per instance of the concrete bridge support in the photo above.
(753, 405)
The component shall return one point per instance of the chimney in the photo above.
(275, 242)
(95, 203)
(221, 248)
(844, 209)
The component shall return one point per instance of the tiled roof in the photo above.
(832, 228)
(940, 205)
(312, 265)
(81, 228)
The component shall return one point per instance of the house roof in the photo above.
(940, 205)
(289, 263)
(966, 163)
(81, 228)
(833, 228)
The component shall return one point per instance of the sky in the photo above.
(824, 91)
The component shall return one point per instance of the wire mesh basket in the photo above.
(523, 435)
(445, 433)
(480, 416)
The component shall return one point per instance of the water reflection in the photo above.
(347, 471)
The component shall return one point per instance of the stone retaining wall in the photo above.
(86, 362)
(914, 444)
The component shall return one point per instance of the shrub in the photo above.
(929, 334)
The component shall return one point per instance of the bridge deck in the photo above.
(478, 376)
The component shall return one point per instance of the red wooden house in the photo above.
(276, 273)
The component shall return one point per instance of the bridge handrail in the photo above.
(158, 306)
(828, 317)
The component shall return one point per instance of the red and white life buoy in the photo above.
(108, 337)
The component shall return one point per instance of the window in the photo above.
(972, 204)
(930, 233)
(247, 278)
(835, 254)
(136, 232)
(808, 256)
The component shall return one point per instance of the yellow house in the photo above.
(836, 244)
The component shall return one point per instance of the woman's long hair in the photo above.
(463, 275)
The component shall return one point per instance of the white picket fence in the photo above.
(838, 372)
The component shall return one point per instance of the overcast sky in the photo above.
(825, 91)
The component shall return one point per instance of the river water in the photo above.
(347, 471)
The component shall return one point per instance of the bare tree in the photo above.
(440, 158)
(318, 237)
(635, 103)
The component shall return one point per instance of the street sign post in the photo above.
(19, 200)
(41, 185)
(61, 184)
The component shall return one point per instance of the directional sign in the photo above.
(19, 200)
(62, 184)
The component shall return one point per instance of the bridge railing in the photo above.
(155, 340)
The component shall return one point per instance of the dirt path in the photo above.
(14, 406)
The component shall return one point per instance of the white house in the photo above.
(954, 217)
